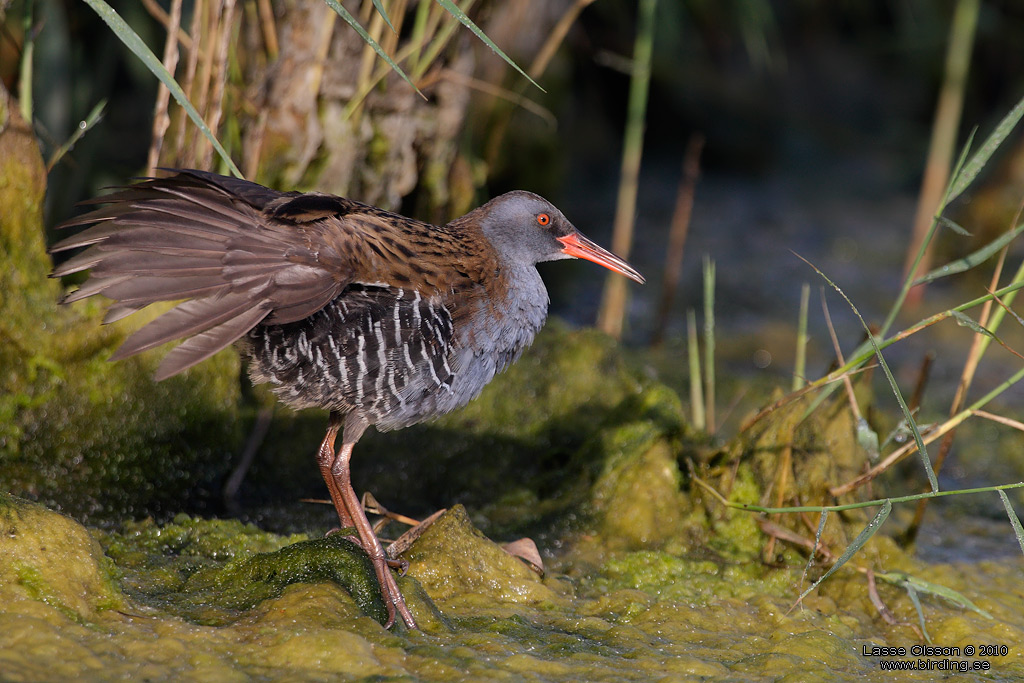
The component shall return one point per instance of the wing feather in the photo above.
(201, 346)
(214, 243)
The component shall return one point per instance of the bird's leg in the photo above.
(393, 599)
(325, 458)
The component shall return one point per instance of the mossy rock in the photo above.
(51, 558)
(790, 458)
(455, 562)
(96, 439)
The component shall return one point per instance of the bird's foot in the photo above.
(394, 602)
(393, 599)
(401, 565)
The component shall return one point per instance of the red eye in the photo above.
(543, 219)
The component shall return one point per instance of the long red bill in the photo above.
(581, 247)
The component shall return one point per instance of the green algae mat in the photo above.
(186, 601)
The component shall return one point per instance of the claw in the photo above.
(402, 565)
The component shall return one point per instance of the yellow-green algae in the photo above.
(209, 571)
(500, 622)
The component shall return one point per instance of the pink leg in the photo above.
(341, 482)
(334, 467)
(325, 458)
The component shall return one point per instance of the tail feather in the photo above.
(93, 235)
(151, 263)
(153, 289)
(121, 310)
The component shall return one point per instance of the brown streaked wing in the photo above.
(210, 241)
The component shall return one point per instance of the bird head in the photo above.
(528, 229)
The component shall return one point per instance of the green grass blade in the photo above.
(751, 507)
(1014, 520)
(817, 544)
(84, 127)
(1020, 320)
(696, 390)
(379, 6)
(863, 537)
(454, 10)
(709, 342)
(954, 226)
(865, 351)
(921, 450)
(974, 258)
(912, 583)
(908, 281)
(867, 439)
(964, 320)
(440, 36)
(912, 594)
(972, 168)
(800, 364)
(354, 23)
(419, 28)
(133, 42)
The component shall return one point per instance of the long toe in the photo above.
(396, 602)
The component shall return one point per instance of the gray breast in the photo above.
(497, 334)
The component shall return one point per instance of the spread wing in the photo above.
(235, 254)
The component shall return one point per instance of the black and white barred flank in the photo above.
(381, 352)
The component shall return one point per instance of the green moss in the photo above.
(50, 558)
(638, 497)
(736, 534)
(211, 571)
(279, 613)
(97, 439)
(212, 539)
(453, 559)
(215, 595)
(22, 186)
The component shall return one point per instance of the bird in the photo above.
(380, 319)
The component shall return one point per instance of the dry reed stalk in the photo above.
(977, 350)
(397, 13)
(268, 28)
(782, 476)
(677, 235)
(158, 13)
(161, 119)
(198, 11)
(555, 38)
(200, 95)
(944, 134)
(368, 60)
(219, 74)
(612, 314)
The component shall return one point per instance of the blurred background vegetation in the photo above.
(816, 119)
(822, 101)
